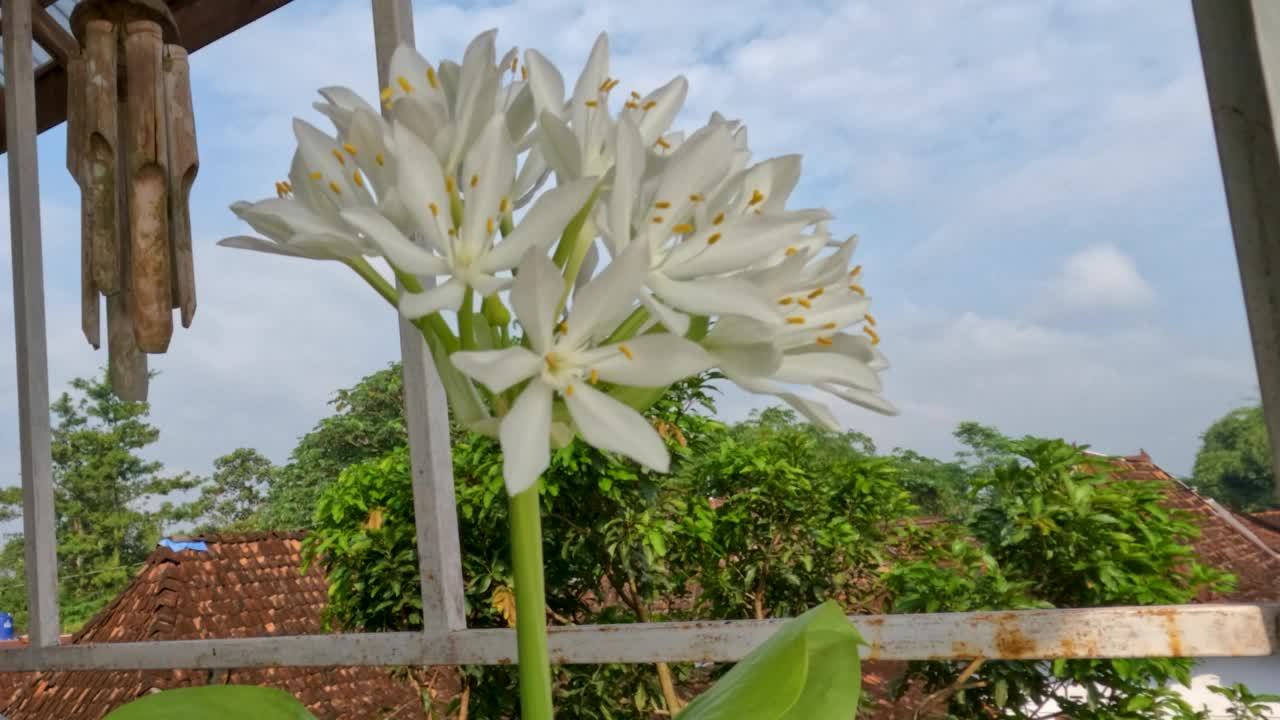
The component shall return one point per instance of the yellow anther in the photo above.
(568, 390)
(592, 103)
(488, 225)
(453, 232)
(349, 148)
(715, 238)
(663, 204)
(515, 62)
(449, 185)
(825, 341)
(524, 72)
(797, 320)
(563, 328)
(786, 301)
(875, 338)
(658, 219)
(334, 187)
(756, 198)
(337, 154)
(387, 94)
(858, 289)
(279, 190)
(635, 94)
(682, 228)
(435, 209)
(696, 197)
(504, 206)
(404, 84)
(791, 251)
(604, 86)
(816, 293)
(719, 218)
(649, 105)
(475, 180)
(632, 104)
(317, 175)
(855, 271)
(595, 376)
(379, 159)
(358, 178)
(551, 361)
(870, 320)
(829, 326)
(626, 351)
(288, 186)
(431, 78)
(663, 144)
(804, 302)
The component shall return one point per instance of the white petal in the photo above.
(816, 412)
(525, 436)
(610, 425)
(694, 168)
(421, 185)
(629, 150)
(397, 248)
(488, 284)
(588, 267)
(757, 359)
(560, 147)
(368, 135)
(533, 173)
(282, 218)
(668, 99)
(498, 369)
(247, 242)
(321, 154)
(534, 298)
(609, 294)
(868, 400)
(594, 73)
(742, 242)
(540, 227)
(649, 360)
(491, 167)
(714, 296)
(827, 367)
(477, 93)
(676, 322)
(428, 120)
(521, 112)
(409, 65)
(546, 83)
(443, 297)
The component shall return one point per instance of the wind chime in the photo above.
(131, 147)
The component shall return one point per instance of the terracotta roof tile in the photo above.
(243, 586)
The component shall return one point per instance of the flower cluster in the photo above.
(655, 256)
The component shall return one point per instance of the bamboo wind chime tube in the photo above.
(183, 166)
(100, 110)
(90, 318)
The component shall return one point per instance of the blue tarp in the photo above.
(180, 545)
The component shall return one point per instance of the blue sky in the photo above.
(1035, 184)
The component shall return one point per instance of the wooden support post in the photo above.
(426, 413)
(1240, 49)
(29, 326)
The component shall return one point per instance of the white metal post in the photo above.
(426, 413)
(29, 330)
(1240, 49)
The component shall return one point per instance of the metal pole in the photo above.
(1240, 49)
(29, 331)
(426, 414)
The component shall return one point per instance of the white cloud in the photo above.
(1100, 276)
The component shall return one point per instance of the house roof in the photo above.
(1266, 525)
(245, 585)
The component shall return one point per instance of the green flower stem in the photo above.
(467, 320)
(375, 279)
(531, 612)
(572, 235)
(629, 327)
(580, 247)
(432, 323)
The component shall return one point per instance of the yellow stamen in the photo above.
(696, 197)
(612, 84)
(358, 178)
(435, 209)
(804, 302)
(316, 175)
(568, 390)
(829, 326)
(682, 228)
(563, 328)
(488, 225)
(449, 185)
(626, 351)
(826, 341)
(635, 94)
(663, 204)
(756, 198)
(504, 206)
(854, 272)
(658, 219)
(380, 160)
(786, 301)
(816, 293)
(279, 190)
(349, 148)
(592, 103)
(515, 62)
(719, 218)
(431, 78)
(595, 377)
(341, 160)
(334, 187)
(524, 72)
(715, 238)
(604, 86)
(288, 186)
(453, 232)
(795, 320)
(791, 251)
(387, 93)
(404, 84)
(632, 104)
(649, 105)
(475, 180)
(858, 289)
(551, 361)
(870, 320)
(875, 338)
(663, 144)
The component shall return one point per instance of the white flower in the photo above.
(563, 361)
(467, 254)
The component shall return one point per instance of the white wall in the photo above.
(1261, 675)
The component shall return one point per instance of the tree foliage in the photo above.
(1234, 462)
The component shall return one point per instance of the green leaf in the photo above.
(808, 670)
(215, 702)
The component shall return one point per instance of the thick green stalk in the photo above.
(375, 279)
(467, 320)
(629, 327)
(531, 610)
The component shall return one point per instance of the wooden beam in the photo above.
(1121, 632)
(200, 22)
(55, 39)
(1240, 49)
(35, 461)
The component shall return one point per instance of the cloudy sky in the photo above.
(1036, 186)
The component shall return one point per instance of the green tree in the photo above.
(111, 504)
(938, 487)
(234, 495)
(1234, 462)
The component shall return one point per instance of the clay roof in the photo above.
(1266, 525)
(245, 585)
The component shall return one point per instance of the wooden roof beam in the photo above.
(55, 39)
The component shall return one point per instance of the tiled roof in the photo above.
(1266, 525)
(245, 585)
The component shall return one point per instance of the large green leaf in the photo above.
(808, 670)
(215, 702)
